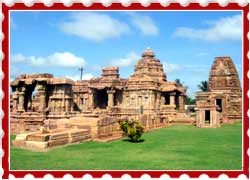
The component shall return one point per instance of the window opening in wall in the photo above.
(219, 103)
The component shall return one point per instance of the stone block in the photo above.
(21, 137)
(36, 145)
(58, 142)
(38, 137)
(19, 143)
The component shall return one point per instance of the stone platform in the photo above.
(42, 140)
(183, 118)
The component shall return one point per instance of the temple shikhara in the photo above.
(46, 111)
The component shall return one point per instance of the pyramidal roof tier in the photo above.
(148, 73)
(149, 68)
(223, 75)
(148, 53)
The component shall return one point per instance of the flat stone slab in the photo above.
(41, 141)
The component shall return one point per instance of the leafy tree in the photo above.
(132, 129)
(203, 86)
(190, 101)
(178, 81)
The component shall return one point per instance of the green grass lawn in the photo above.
(174, 148)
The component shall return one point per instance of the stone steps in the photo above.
(184, 115)
(183, 121)
(183, 118)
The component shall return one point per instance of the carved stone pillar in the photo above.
(52, 105)
(181, 103)
(14, 101)
(110, 98)
(42, 97)
(198, 118)
(71, 105)
(162, 101)
(91, 99)
(172, 99)
(67, 105)
(21, 101)
(157, 102)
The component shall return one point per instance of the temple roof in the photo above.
(149, 74)
(45, 77)
(148, 69)
(223, 75)
(148, 53)
(34, 76)
(61, 81)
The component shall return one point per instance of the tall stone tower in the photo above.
(224, 76)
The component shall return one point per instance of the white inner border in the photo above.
(242, 75)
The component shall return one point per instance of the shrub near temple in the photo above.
(132, 129)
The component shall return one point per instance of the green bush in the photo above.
(132, 129)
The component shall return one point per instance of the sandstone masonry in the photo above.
(47, 111)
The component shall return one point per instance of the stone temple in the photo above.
(223, 102)
(47, 111)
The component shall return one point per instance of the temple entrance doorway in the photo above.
(219, 103)
(117, 97)
(167, 99)
(101, 99)
(30, 93)
(177, 103)
(207, 116)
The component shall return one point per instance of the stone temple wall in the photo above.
(145, 99)
(108, 127)
(80, 95)
(60, 99)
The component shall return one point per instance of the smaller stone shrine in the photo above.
(223, 102)
(37, 97)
